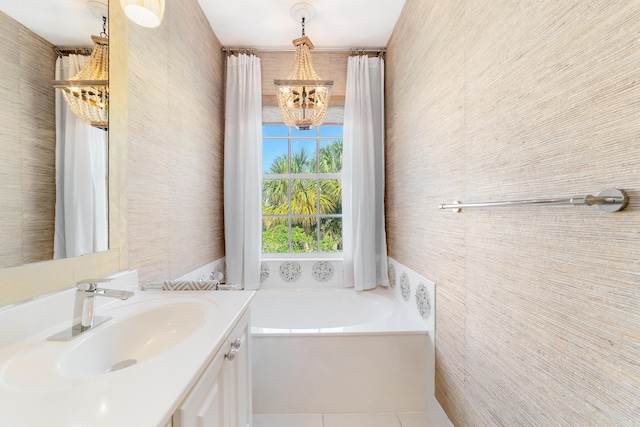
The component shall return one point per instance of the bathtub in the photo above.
(333, 350)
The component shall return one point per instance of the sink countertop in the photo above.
(145, 394)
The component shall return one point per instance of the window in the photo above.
(302, 190)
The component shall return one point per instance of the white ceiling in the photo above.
(268, 24)
(262, 24)
(64, 23)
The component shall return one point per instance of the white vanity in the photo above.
(177, 359)
(222, 395)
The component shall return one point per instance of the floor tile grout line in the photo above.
(322, 418)
(397, 414)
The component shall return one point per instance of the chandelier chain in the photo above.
(303, 26)
(104, 27)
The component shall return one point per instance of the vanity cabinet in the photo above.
(222, 395)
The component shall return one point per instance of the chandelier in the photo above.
(303, 98)
(87, 92)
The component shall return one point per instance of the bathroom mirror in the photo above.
(54, 199)
(36, 277)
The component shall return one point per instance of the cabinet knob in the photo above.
(231, 355)
(235, 346)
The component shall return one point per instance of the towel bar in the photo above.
(610, 200)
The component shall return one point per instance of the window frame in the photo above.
(319, 254)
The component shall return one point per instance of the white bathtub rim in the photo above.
(397, 322)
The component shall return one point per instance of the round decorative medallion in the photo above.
(405, 286)
(423, 301)
(391, 271)
(264, 272)
(322, 271)
(290, 271)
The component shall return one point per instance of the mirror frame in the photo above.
(32, 280)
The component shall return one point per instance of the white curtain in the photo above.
(365, 247)
(81, 224)
(242, 170)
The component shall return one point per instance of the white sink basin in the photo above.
(171, 335)
(137, 333)
(122, 343)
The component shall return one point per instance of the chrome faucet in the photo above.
(84, 308)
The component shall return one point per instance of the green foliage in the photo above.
(329, 244)
(276, 240)
(330, 159)
(301, 241)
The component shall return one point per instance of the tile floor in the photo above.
(402, 419)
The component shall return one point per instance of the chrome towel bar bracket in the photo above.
(610, 200)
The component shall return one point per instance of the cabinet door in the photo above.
(239, 370)
(222, 396)
(206, 405)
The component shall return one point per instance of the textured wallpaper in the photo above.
(28, 143)
(538, 318)
(175, 145)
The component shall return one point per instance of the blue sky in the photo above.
(272, 148)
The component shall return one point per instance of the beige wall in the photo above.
(175, 145)
(538, 318)
(27, 141)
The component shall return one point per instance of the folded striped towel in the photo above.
(189, 285)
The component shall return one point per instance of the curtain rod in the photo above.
(72, 51)
(353, 51)
(377, 52)
(232, 50)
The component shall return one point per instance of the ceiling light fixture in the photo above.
(303, 97)
(146, 13)
(87, 92)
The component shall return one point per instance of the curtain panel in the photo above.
(365, 247)
(242, 170)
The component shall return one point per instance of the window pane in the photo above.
(275, 235)
(308, 132)
(329, 130)
(304, 234)
(275, 154)
(301, 215)
(275, 130)
(304, 196)
(330, 196)
(331, 234)
(275, 197)
(330, 156)
(303, 155)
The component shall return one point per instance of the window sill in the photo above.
(301, 257)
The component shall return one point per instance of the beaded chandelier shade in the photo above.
(303, 98)
(87, 92)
